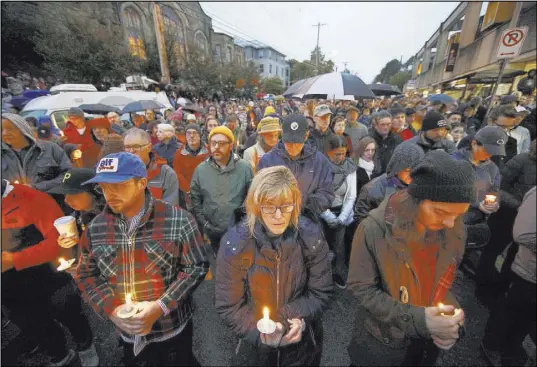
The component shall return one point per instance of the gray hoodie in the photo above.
(42, 164)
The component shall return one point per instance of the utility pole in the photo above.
(512, 24)
(318, 25)
(161, 43)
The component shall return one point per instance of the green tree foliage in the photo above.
(81, 49)
(18, 28)
(400, 79)
(273, 85)
(306, 69)
(389, 70)
(205, 77)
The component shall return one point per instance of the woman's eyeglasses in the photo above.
(271, 209)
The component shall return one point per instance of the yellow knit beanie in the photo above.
(224, 130)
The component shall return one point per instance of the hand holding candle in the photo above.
(65, 264)
(266, 325)
(128, 309)
(490, 199)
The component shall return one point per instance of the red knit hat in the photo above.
(99, 122)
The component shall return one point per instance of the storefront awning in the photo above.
(490, 76)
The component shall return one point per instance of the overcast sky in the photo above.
(365, 34)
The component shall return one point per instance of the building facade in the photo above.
(271, 62)
(460, 57)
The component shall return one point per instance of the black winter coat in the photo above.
(518, 177)
(361, 179)
(426, 145)
(385, 148)
(289, 274)
(373, 193)
(529, 123)
(320, 140)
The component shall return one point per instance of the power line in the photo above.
(240, 31)
(225, 26)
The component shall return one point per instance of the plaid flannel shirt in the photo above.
(164, 259)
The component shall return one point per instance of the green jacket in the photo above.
(385, 284)
(217, 192)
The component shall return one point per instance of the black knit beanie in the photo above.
(440, 178)
(405, 155)
(193, 127)
(433, 120)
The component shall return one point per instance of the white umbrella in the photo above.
(331, 85)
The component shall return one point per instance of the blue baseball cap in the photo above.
(118, 167)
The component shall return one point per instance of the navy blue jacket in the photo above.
(167, 151)
(312, 171)
(290, 274)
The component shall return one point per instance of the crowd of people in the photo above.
(277, 203)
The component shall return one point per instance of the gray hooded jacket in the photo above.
(41, 166)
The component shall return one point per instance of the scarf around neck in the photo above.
(341, 172)
(367, 166)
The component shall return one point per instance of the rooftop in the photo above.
(254, 44)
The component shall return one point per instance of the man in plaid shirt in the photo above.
(147, 249)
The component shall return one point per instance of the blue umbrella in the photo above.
(444, 98)
(35, 93)
(19, 101)
(142, 106)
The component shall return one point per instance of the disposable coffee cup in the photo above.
(66, 226)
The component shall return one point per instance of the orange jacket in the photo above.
(184, 165)
(23, 211)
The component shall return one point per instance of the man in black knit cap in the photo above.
(433, 134)
(404, 257)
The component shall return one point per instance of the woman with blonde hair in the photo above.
(275, 260)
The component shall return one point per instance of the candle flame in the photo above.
(128, 298)
(266, 313)
(62, 260)
(16, 181)
(440, 304)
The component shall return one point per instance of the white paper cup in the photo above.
(66, 226)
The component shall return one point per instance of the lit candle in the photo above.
(456, 312)
(64, 264)
(16, 181)
(77, 154)
(490, 199)
(128, 309)
(440, 305)
(266, 325)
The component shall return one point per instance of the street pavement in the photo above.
(214, 343)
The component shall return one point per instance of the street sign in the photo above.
(511, 42)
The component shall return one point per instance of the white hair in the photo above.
(139, 134)
(166, 128)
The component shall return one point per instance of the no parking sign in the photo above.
(511, 42)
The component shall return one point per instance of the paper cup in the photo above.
(66, 226)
